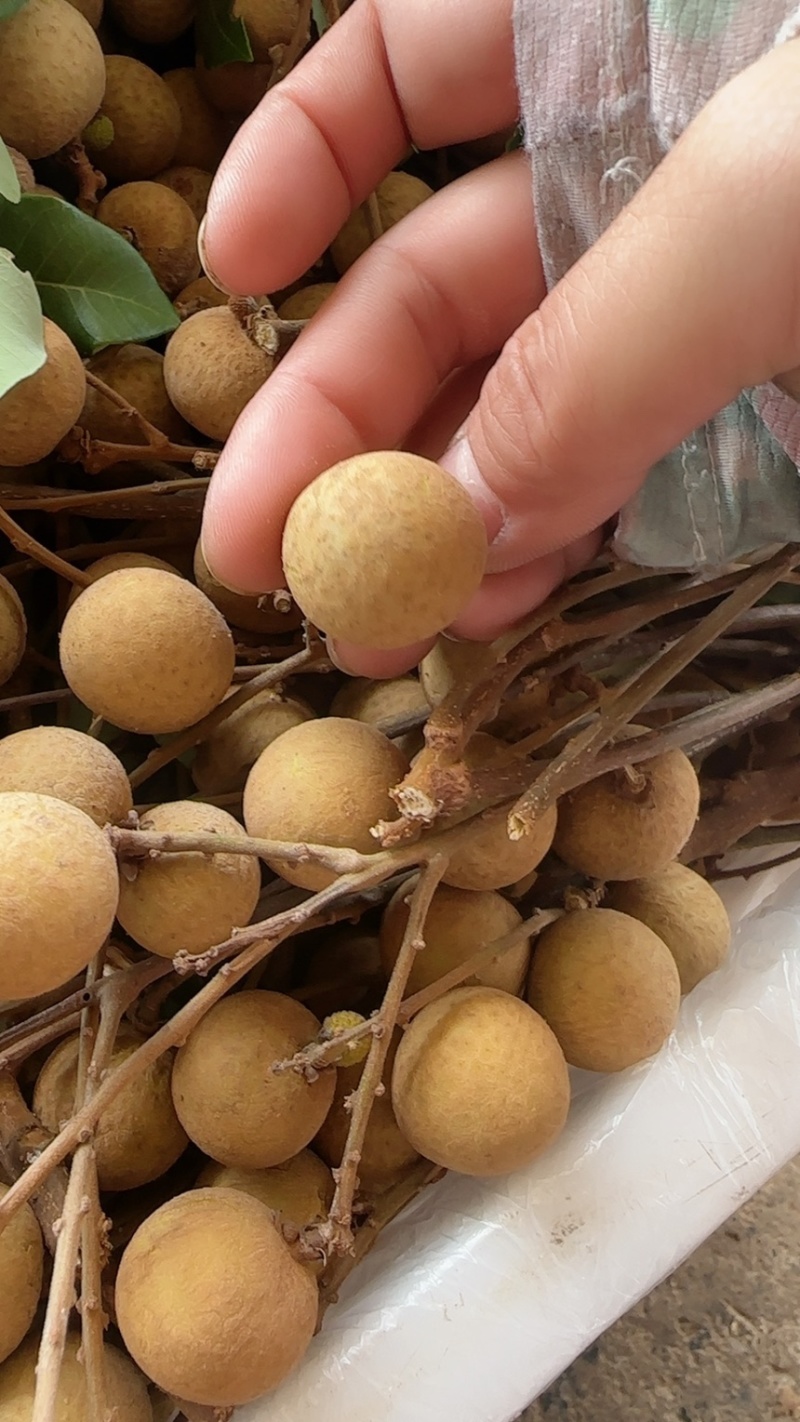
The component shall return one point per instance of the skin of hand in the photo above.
(560, 402)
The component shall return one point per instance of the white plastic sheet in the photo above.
(480, 1294)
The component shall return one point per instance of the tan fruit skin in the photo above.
(458, 924)
(325, 782)
(36, 414)
(146, 121)
(212, 370)
(306, 302)
(383, 550)
(448, 663)
(135, 372)
(610, 831)
(234, 89)
(192, 184)
(13, 630)
(53, 76)
(113, 562)
(480, 1084)
(126, 1390)
(299, 1192)
(386, 1153)
(161, 226)
(202, 139)
(268, 23)
(607, 985)
(240, 610)
(398, 194)
(69, 765)
(686, 912)
(224, 760)
(236, 1110)
(23, 170)
(92, 10)
(198, 296)
(22, 1271)
(154, 21)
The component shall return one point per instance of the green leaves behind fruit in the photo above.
(22, 350)
(320, 17)
(9, 182)
(92, 283)
(221, 38)
(9, 8)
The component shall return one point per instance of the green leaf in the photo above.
(9, 182)
(320, 15)
(516, 140)
(22, 350)
(92, 282)
(221, 38)
(9, 8)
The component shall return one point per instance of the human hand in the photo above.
(690, 296)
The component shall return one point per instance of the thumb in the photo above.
(690, 296)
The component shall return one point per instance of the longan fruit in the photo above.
(397, 195)
(449, 663)
(192, 184)
(146, 122)
(138, 1137)
(615, 828)
(212, 370)
(53, 77)
(37, 413)
(486, 858)
(344, 966)
(383, 549)
(58, 892)
(229, 1101)
(233, 89)
(162, 228)
(112, 562)
(268, 23)
(686, 912)
(607, 985)
(13, 630)
(25, 174)
(224, 759)
(378, 702)
(325, 782)
(458, 924)
(305, 303)
(202, 139)
(153, 21)
(188, 902)
(198, 296)
(252, 614)
(480, 1084)
(386, 1153)
(92, 10)
(210, 1302)
(137, 373)
(126, 1391)
(22, 1272)
(67, 765)
(299, 1192)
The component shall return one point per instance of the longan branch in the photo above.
(22, 1140)
(327, 1049)
(61, 1297)
(96, 454)
(134, 844)
(27, 544)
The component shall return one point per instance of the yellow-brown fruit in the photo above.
(618, 827)
(325, 782)
(198, 296)
(67, 765)
(230, 1102)
(233, 89)
(139, 1136)
(378, 703)
(53, 76)
(224, 759)
(397, 195)
(212, 370)
(202, 140)
(137, 373)
(126, 1392)
(486, 858)
(53, 920)
(480, 1084)
(305, 303)
(299, 1192)
(344, 969)
(92, 10)
(146, 122)
(686, 912)
(21, 1270)
(192, 184)
(25, 174)
(153, 21)
(448, 663)
(458, 924)
(37, 413)
(160, 225)
(188, 902)
(147, 651)
(383, 549)
(253, 614)
(210, 1302)
(268, 23)
(607, 985)
(112, 562)
(13, 630)
(386, 1153)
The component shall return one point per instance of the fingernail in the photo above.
(229, 587)
(459, 461)
(201, 249)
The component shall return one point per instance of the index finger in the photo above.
(388, 73)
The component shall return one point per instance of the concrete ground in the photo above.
(719, 1341)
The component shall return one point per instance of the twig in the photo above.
(327, 1049)
(22, 1140)
(134, 844)
(34, 698)
(79, 447)
(26, 543)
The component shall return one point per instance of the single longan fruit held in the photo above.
(325, 782)
(383, 550)
(305, 303)
(225, 758)
(686, 912)
(136, 373)
(13, 630)
(37, 413)
(145, 118)
(458, 924)
(397, 195)
(188, 902)
(146, 651)
(202, 140)
(212, 370)
(386, 1153)
(139, 1136)
(252, 614)
(22, 1271)
(68, 765)
(210, 1302)
(230, 1103)
(153, 21)
(299, 1192)
(480, 1084)
(58, 892)
(621, 828)
(53, 76)
(126, 1391)
(192, 184)
(486, 858)
(607, 985)
(162, 228)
